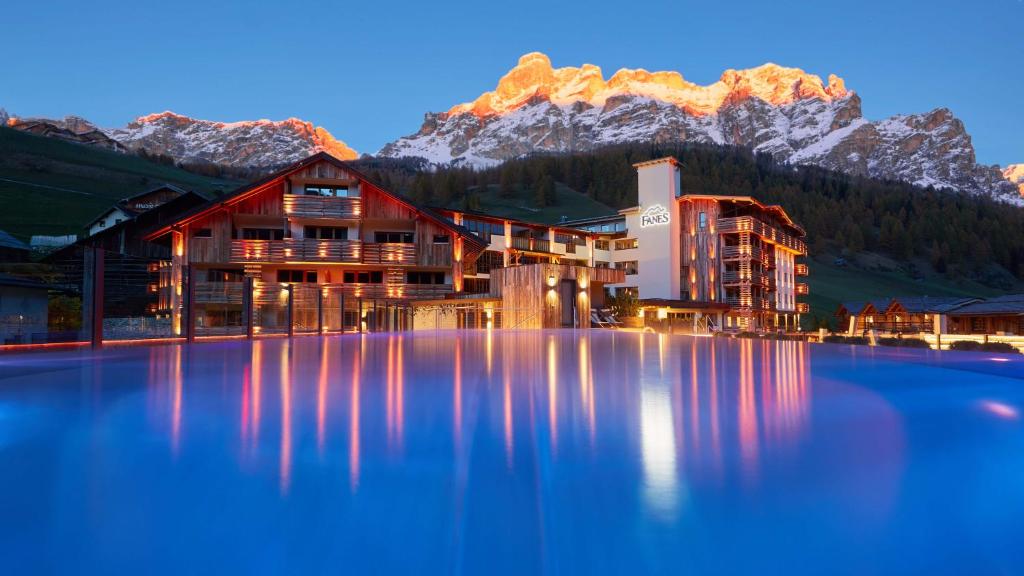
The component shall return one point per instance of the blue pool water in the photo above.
(554, 452)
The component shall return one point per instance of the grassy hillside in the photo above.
(871, 276)
(49, 186)
(569, 203)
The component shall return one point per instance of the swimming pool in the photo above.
(478, 452)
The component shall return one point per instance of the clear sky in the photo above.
(367, 71)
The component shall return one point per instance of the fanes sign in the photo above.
(656, 215)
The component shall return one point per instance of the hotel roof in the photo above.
(1009, 305)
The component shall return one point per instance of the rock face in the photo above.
(1015, 174)
(785, 112)
(4, 117)
(255, 144)
(258, 144)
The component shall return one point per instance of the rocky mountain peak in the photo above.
(784, 112)
(1015, 174)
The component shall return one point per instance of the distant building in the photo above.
(129, 208)
(23, 310)
(954, 315)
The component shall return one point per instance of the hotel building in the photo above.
(319, 247)
(728, 260)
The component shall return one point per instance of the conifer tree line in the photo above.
(959, 235)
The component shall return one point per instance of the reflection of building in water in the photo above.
(658, 441)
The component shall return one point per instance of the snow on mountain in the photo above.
(1015, 174)
(257, 143)
(785, 112)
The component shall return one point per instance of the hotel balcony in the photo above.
(803, 307)
(307, 206)
(802, 289)
(750, 303)
(297, 250)
(765, 231)
(744, 251)
(754, 278)
(800, 270)
(389, 253)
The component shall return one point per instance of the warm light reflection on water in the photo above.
(533, 450)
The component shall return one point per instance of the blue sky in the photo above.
(367, 71)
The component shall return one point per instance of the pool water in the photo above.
(474, 452)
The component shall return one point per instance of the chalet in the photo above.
(1001, 315)
(317, 246)
(24, 305)
(129, 208)
(703, 260)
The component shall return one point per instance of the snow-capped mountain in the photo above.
(785, 112)
(1015, 174)
(251, 144)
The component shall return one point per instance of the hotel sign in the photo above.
(656, 215)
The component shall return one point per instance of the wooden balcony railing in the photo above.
(803, 307)
(802, 289)
(389, 253)
(218, 292)
(754, 278)
(800, 270)
(306, 206)
(531, 244)
(296, 250)
(765, 231)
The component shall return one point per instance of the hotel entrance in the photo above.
(567, 295)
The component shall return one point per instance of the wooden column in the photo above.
(190, 299)
(291, 310)
(247, 306)
(92, 290)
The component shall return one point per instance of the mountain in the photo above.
(786, 113)
(249, 144)
(1015, 174)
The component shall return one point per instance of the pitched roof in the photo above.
(1009, 305)
(8, 241)
(245, 191)
(8, 280)
(932, 304)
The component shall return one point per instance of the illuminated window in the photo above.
(332, 191)
(702, 220)
(294, 276)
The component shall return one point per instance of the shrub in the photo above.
(999, 347)
(965, 345)
(904, 342)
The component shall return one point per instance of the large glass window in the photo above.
(393, 237)
(296, 276)
(333, 191)
(262, 234)
(326, 232)
(369, 277)
(702, 220)
(415, 277)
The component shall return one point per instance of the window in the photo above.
(333, 191)
(630, 266)
(262, 234)
(203, 233)
(424, 277)
(297, 276)
(326, 232)
(224, 275)
(393, 237)
(371, 277)
(601, 245)
(627, 244)
(489, 260)
(441, 239)
(484, 229)
(702, 220)
(600, 264)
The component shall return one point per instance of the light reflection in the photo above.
(457, 395)
(748, 425)
(587, 385)
(286, 418)
(177, 395)
(321, 400)
(658, 446)
(1000, 409)
(553, 393)
(354, 409)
